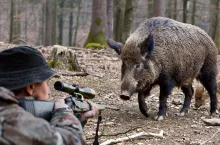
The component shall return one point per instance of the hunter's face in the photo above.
(41, 90)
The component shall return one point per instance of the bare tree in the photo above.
(71, 23)
(11, 21)
(41, 34)
(110, 18)
(214, 19)
(99, 23)
(61, 22)
(119, 9)
(129, 7)
(77, 21)
(48, 29)
(193, 12)
(54, 23)
(159, 7)
(175, 10)
(185, 11)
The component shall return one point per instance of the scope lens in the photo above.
(58, 85)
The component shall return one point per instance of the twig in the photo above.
(120, 132)
(115, 134)
(211, 137)
(135, 136)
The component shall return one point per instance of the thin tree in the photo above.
(119, 9)
(175, 10)
(70, 23)
(214, 19)
(159, 7)
(11, 21)
(62, 2)
(110, 18)
(41, 34)
(193, 12)
(169, 7)
(98, 27)
(48, 29)
(129, 7)
(185, 11)
(77, 22)
(54, 23)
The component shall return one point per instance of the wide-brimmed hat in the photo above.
(21, 66)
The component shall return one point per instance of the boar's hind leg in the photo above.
(188, 92)
(142, 104)
(210, 84)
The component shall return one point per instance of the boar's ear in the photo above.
(115, 45)
(147, 46)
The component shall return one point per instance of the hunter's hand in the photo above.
(60, 103)
(93, 112)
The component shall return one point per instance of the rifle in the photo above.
(76, 102)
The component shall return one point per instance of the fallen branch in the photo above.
(212, 122)
(73, 73)
(69, 73)
(136, 136)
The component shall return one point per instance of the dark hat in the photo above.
(21, 66)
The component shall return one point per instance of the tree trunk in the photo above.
(193, 12)
(214, 19)
(110, 18)
(150, 8)
(41, 33)
(99, 23)
(54, 24)
(159, 7)
(175, 10)
(119, 8)
(169, 12)
(129, 7)
(61, 22)
(48, 29)
(71, 24)
(11, 21)
(185, 11)
(77, 22)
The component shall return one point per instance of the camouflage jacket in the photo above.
(18, 127)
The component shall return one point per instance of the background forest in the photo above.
(79, 22)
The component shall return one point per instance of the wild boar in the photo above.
(167, 53)
(201, 95)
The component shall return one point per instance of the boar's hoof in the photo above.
(159, 117)
(180, 114)
(124, 97)
(215, 113)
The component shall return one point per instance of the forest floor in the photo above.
(104, 69)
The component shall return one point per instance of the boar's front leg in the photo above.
(188, 92)
(165, 90)
(142, 104)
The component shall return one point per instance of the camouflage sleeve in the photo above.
(66, 122)
(20, 127)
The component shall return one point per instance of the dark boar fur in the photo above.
(167, 53)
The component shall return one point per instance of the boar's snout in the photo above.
(125, 95)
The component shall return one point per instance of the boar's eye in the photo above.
(138, 66)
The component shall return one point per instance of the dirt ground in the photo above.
(104, 69)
